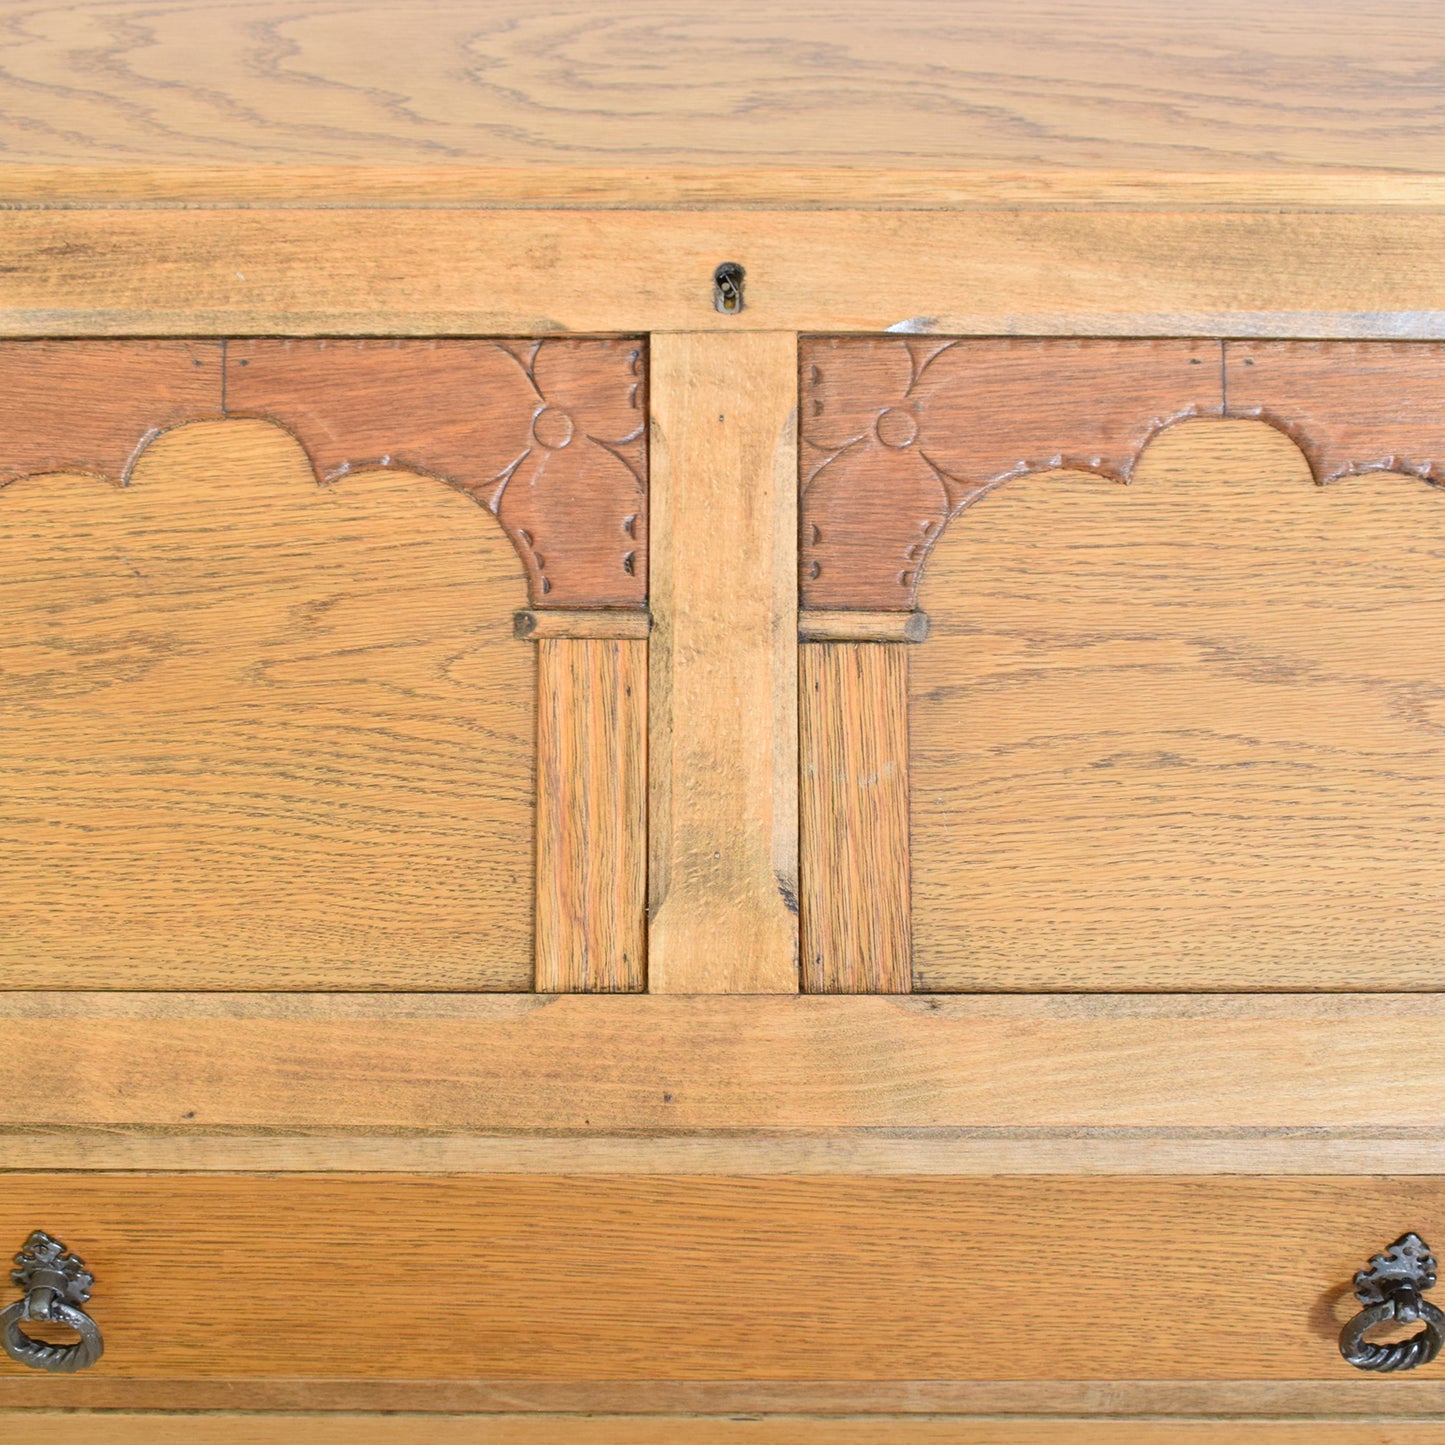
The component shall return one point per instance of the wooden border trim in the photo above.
(664, 1429)
(591, 815)
(724, 729)
(443, 272)
(820, 624)
(670, 188)
(1299, 1403)
(610, 1063)
(857, 918)
(623, 624)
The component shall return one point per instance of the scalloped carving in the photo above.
(1349, 406)
(548, 436)
(900, 434)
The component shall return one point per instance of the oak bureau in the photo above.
(722, 724)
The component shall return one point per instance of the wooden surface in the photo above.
(591, 815)
(853, 791)
(1182, 734)
(1300, 87)
(548, 436)
(261, 734)
(723, 822)
(657, 1278)
(93, 407)
(900, 434)
(1362, 1402)
(299, 271)
(636, 1063)
(1348, 407)
(696, 1430)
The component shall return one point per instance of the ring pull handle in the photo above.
(55, 1283)
(1392, 1290)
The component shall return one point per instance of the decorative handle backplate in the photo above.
(55, 1284)
(1391, 1289)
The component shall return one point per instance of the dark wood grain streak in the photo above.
(547, 435)
(900, 434)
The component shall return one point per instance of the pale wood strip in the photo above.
(819, 624)
(896, 1154)
(724, 827)
(591, 815)
(620, 1062)
(1361, 1401)
(697, 1430)
(652, 187)
(730, 1278)
(268, 271)
(856, 913)
(583, 622)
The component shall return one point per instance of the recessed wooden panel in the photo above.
(550, 1278)
(261, 733)
(1186, 733)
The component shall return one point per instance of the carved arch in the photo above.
(901, 434)
(548, 436)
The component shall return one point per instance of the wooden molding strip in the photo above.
(624, 624)
(821, 624)
(667, 188)
(618, 1062)
(1297, 1406)
(900, 435)
(443, 272)
(665, 1429)
(548, 436)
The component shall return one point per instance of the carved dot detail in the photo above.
(897, 428)
(552, 428)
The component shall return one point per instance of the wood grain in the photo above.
(724, 714)
(1029, 87)
(696, 1430)
(1348, 407)
(821, 624)
(317, 271)
(853, 770)
(687, 187)
(261, 734)
(94, 406)
(548, 436)
(481, 1064)
(967, 1404)
(899, 435)
(591, 815)
(657, 1278)
(1182, 735)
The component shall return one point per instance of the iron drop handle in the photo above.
(55, 1283)
(1392, 1289)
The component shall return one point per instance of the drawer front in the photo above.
(627, 1278)
(1132, 645)
(265, 733)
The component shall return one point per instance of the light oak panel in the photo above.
(853, 772)
(697, 1430)
(625, 1063)
(659, 1278)
(261, 733)
(1182, 735)
(591, 815)
(1030, 87)
(323, 272)
(723, 823)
